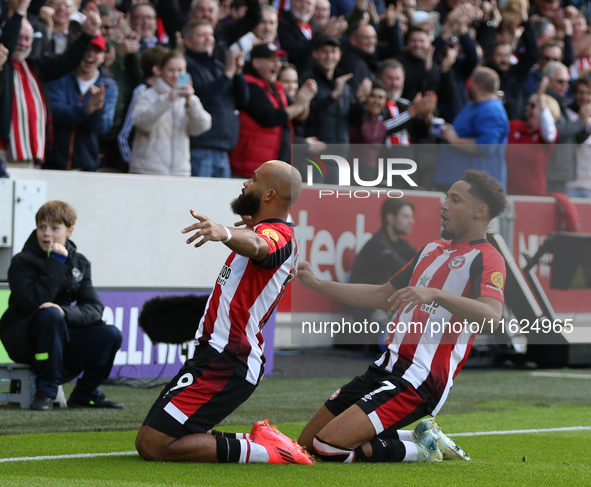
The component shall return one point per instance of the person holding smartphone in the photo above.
(165, 116)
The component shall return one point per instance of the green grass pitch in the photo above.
(480, 402)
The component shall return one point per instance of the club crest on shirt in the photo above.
(77, 273)
(272, 234)
(497, 279)
(335, 394)
(457, 262)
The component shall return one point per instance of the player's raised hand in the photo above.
(409, 297)
(205, 228)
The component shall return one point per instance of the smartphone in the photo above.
(184, 79)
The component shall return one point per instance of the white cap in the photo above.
(420, 17)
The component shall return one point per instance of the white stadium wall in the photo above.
(129, 226)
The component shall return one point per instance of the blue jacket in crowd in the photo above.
(73, 126)
(487, 123)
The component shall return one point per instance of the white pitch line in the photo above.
(122, 453)
(62, 457)
(561, 375)
(515, 432)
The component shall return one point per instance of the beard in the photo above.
(247, 204)
(447, 234)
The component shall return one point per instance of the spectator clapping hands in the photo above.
(97, 100)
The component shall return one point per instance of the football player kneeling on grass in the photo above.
(228, 362)
(456, 280)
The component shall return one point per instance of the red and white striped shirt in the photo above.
(245, 295)
(430, 355)
(29, 118)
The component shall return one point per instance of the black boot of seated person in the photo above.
(98, 402)
(42, 403)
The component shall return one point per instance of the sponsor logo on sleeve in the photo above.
(497, 279)
(272, 234)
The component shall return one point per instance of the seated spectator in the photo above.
(478, 135)
(151, 61)
(83, 105)
(165, 116)
(296, 31)
(54, 316)
(225, 33)
(27, 96)
(572, 129)
(222, 88)
(266, 130)
(581, 186)
(530, 145)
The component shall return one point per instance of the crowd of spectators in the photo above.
(214, 88)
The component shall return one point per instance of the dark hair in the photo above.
(56, 212)
(189, 27)
(106, 11)
(151, 57)
(390, 63)
(581, 81)
(141, 4)
(412, 30)
(171, 55)
(551, 43)
(376, 83)
(488, 190)
(392, 206)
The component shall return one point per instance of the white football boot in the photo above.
(427, 450)
(448, 447)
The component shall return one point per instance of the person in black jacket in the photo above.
(221, 88)
(385, 253)
(41, 327)
(295, 33)
(513, 76)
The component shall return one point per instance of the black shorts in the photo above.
(206, 390)
(389, 401)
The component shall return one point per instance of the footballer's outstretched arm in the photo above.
(243, 241)
(481, 309)
(362, 295)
